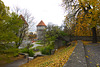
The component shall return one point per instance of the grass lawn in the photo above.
(57, 60)
(31, 45)
(38, 47)
(39, 43)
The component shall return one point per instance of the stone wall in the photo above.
(85, 38)
(60, 42)
(40, 35)
(40, 32)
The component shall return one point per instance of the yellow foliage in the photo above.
(86, 56)
(97, 65)
(89, 19)
(57, 60)
(82, 29)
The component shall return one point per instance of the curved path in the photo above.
(35, 45)
(16, 63)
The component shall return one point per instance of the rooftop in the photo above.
(23, 19)
(41, 23)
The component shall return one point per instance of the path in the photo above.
(35, 45)
(84, 56)
(92, 55)
(77, 59)
(16, 63)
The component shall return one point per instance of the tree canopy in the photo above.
(86, 16)
(10, 23)
(52, 33)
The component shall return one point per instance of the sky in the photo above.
(50, 11)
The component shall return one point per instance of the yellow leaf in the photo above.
(97, 65)
(88, 51)
(86, 56)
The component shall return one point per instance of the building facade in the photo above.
(40, 30)
(23, 33)
(24, 30)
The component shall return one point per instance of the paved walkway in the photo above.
(92, 55)
(16, 63)
(35, 45)
(77, 59)
(84, 56)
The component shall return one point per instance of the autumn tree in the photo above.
(87, 14)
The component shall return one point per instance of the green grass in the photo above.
(31, 45)
(30, 51)
(39, 43)
(39, 47)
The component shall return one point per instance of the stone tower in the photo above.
(40, 29)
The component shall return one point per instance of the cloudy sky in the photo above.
(50, 11)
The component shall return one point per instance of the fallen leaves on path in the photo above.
(87, 42)
(57, 60)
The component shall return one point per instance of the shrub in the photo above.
(31, 53)
(39, 47)
(47, 50)
(24, 50)
(31, 45)
(39, 41)
(10, 51)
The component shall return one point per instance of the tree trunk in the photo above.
(94, 38)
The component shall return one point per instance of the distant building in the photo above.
(40, 30)
(24, 29)
(31, 33)
(23, 33)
